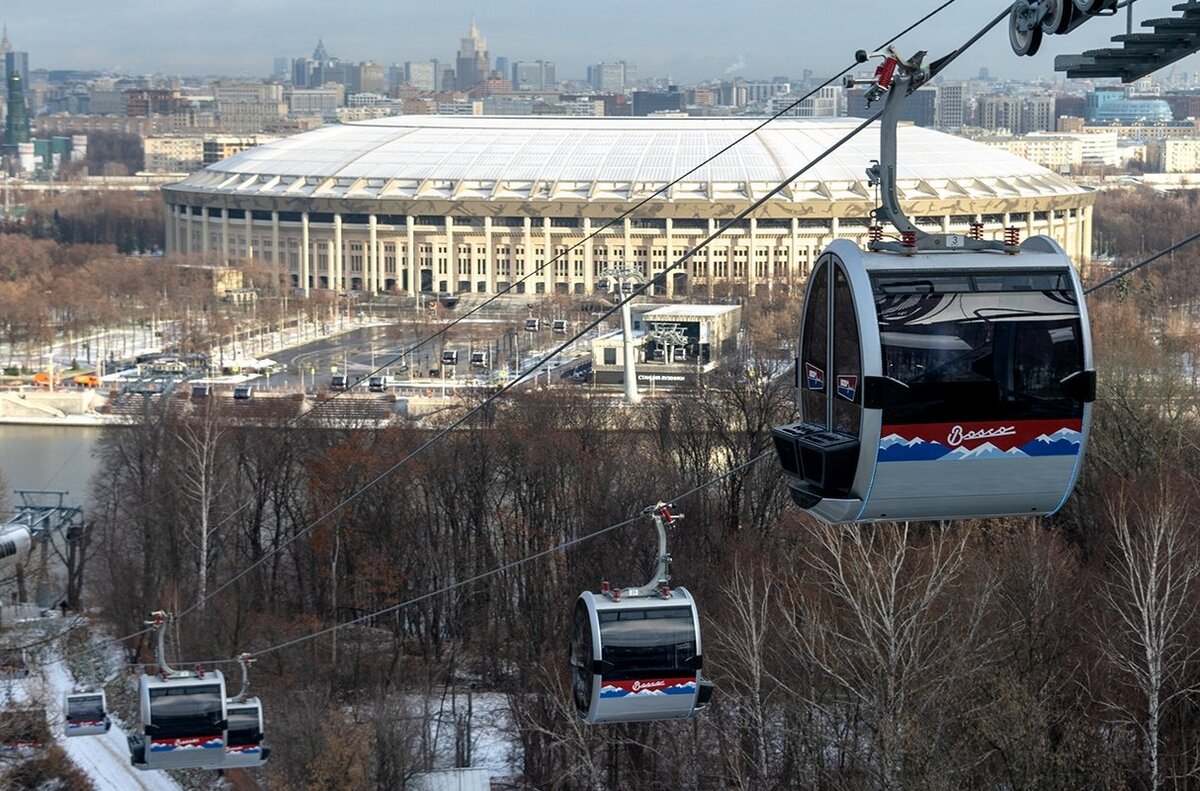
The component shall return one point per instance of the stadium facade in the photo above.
(472, 204)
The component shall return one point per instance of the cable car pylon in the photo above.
(636, 652)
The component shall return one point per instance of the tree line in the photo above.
(994, 653)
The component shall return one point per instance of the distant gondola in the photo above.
(86, 713)
(636, 654)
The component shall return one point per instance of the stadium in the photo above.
(473, 204)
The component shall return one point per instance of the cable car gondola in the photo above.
(533, 324)
(560, 326)
(479, 359)
(246, 746)
(15, 541)
(636, 654)
(86, 713)
(183, 716)
(940, 377)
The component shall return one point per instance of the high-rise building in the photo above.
(1037, 114)
(951, 106)
(249, 106)
(535, 75)
(424, 75)
(828, 102)
(611, 77)
(472, 65)
(16, 123)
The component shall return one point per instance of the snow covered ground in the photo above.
(103, 758)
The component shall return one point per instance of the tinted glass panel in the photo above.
(243, 726)
(847, 363)
(647, 643)
(814, 349)
(581, 657)
(980, 348)
(186, 710)
(85, 708)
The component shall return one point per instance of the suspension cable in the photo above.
(486, 574)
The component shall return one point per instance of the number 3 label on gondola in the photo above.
(847, 386)
(814, 377)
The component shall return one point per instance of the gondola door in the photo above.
(830, 377)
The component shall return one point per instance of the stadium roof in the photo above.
(598, 159)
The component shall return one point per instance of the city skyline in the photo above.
(687, 42)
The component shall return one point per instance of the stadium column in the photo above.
(752, 260)
(304, 256)
(1085, 240)
(372, 256)
(793, 253)
(276, 254)
(628, 261)
(589, 271)
(336, 261)
(331, 274)
(169, 220)
(548, 247)
(410, 258)
(668, 259)
(1028, 225)
(490, 253)
(527, 257)
(708, 263)
(187, 229)
(224, 237)
(452, 256)
(204, 238)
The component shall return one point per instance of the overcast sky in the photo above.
(690, 40)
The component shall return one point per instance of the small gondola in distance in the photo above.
(246, 744)
(85, 713)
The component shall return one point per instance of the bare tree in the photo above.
(1151, 608)
(200, 439)
(894, 628)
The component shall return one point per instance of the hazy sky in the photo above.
(690, 41)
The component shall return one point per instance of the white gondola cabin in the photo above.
(183, 722)
(636, 654)
(86, 713)
(246, 746)
(939, 385)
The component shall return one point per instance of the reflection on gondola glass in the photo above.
(186, 710)
(243, 726)
(581, 657)
(647, 643)
(86, 708)
(847, 360)
(979, 348)
(815, 351)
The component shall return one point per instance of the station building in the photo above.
(472, 204)
(675, 345)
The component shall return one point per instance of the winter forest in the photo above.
(1005, 654)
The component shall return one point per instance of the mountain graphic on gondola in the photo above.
(614, 691)
(1063, 442)
(198, 743)
(985, 451)
(894, 447)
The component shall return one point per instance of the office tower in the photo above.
(472, 65)
(535, 75)
(611, 77)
